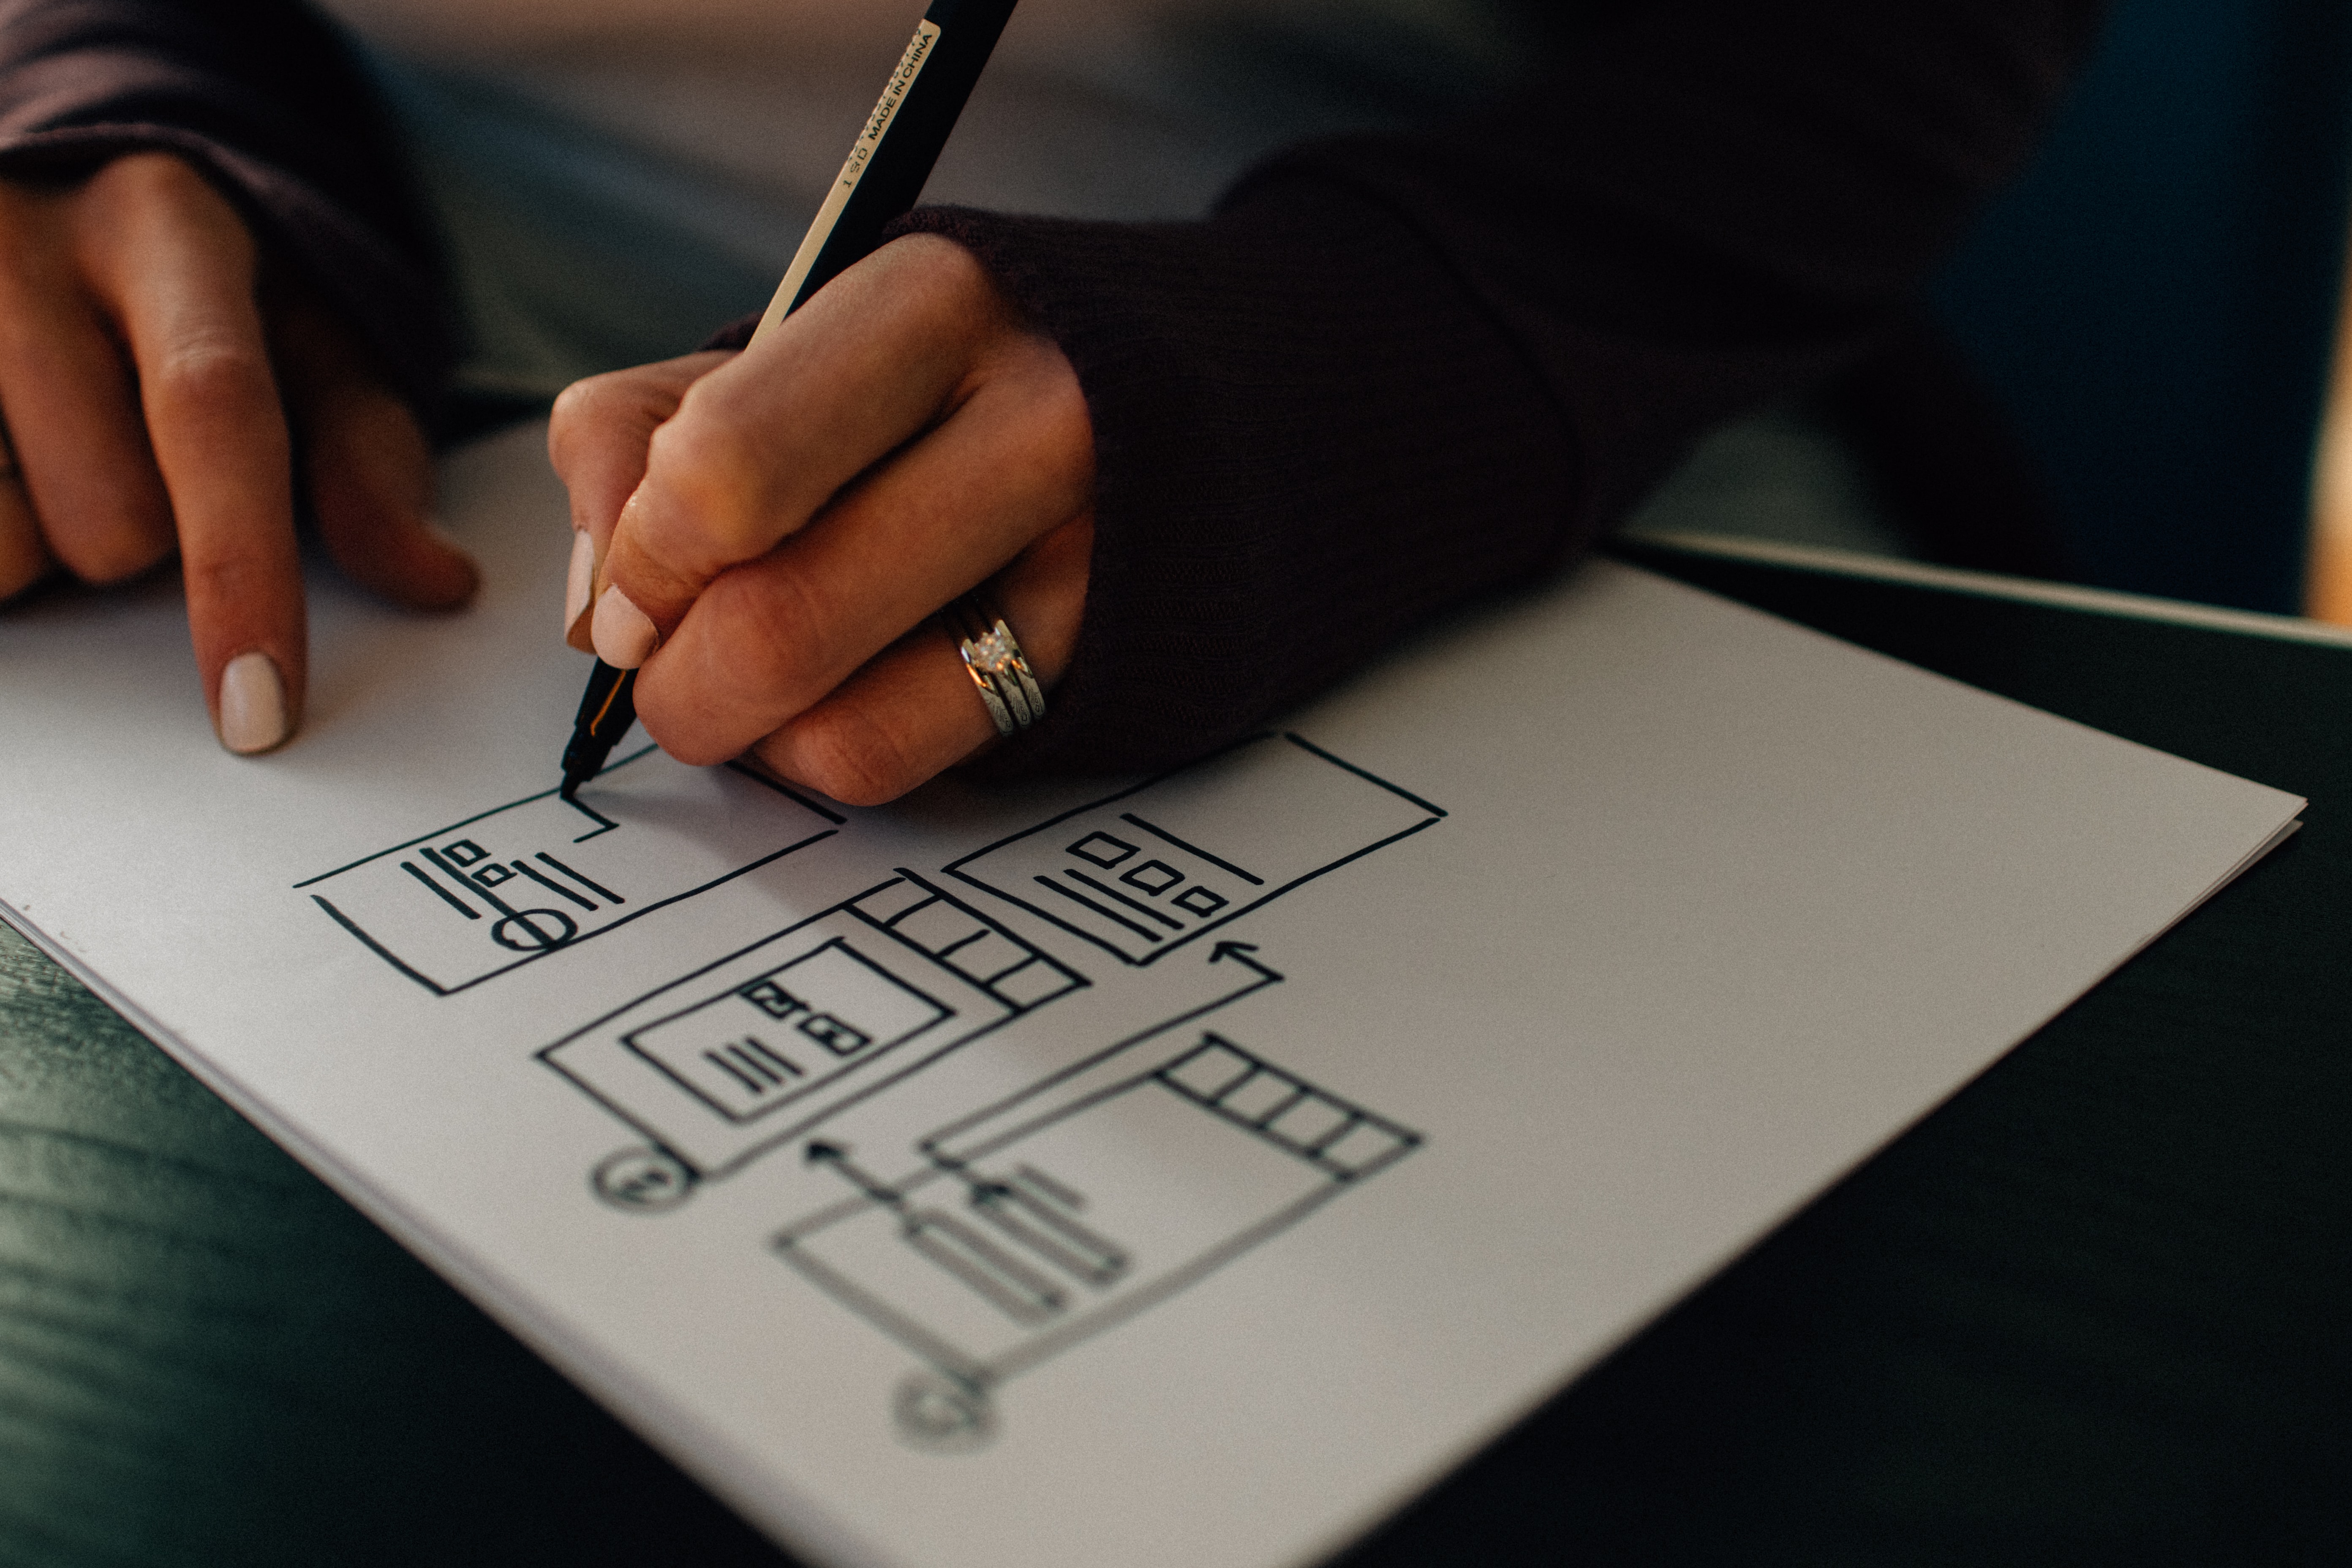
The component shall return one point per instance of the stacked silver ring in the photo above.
(993, 657)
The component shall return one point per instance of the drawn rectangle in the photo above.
(767, 1042)
(1147, 870)
(1085, 1199)
(785, 1034)
(479, 898)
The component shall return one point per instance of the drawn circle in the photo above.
(642, 1180)
(535, 938)
(941, 1415)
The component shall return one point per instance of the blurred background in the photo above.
(2134, 375)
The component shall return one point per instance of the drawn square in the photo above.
(465, 852)
(491, 876)
(1200, 902)
(1101, 849)
(772, 999)
(842, 1039)
(1365, 1144)
(889, 902)
(1211, 1070)
(1034, 981)
(1154, 876)
(1309, 1120)
(938, 927)
(1255, 1096)
(986, 956)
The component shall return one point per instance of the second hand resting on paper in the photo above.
(773, 530)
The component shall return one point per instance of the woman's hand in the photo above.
(153, 401)
(771, 531)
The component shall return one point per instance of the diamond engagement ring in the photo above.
(993, 657)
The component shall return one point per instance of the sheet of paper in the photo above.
(1177, 1170)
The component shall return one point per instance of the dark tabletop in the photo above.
(2098, 1309)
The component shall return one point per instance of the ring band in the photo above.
(993, 657)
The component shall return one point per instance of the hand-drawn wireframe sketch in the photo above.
(1211, 847)
(479, 898)
(1078, 1200)
(759, 1047)
(763, 1044)
(1050, 1216)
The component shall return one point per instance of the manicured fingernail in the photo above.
(252, 704)
(624, 637)
(581, 581)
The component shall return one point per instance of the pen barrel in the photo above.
(893, 157)
(603, 699)
(606, 710)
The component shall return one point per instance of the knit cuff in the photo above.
(1294, 407)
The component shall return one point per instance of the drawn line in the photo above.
(849, 903)
(741, 1053)
(550, 1056)
(891, 924)
(1051, 886)
(593, 815)
(764, 782)
(437, 890)
(1167, 837)
(1264, 1124)
(751, 1085)
(1300, 741)
(592, 887)
(556, 888)
(1031, 1176)
(880, 1313)
(1168, 920)
(765, 1052)
(600, 931)
(1053, 1341)
(951, 868)
(1227, 918)
(474, 888)
(983, 934)
(478, 817)
(378, 948)
(934, 1146)
(1006, 1283)
(940, 1013)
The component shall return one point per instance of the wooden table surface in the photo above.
(2093, 1310)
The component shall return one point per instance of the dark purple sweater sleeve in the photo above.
(1395, 373)
(267, 100)
(1390, 374)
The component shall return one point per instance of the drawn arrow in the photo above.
(821, 1153)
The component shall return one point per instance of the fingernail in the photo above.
(252, 704)
(624, 637)
(580, 582)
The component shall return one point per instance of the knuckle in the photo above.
(590, 403)
(773, 623)
(844, 753)
(211, 375)
(229, 575)
(710, 469)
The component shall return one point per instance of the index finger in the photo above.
(175, 266)
(760, 445)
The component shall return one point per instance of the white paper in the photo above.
(1184, 1172)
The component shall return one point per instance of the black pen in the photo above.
(879, 181)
